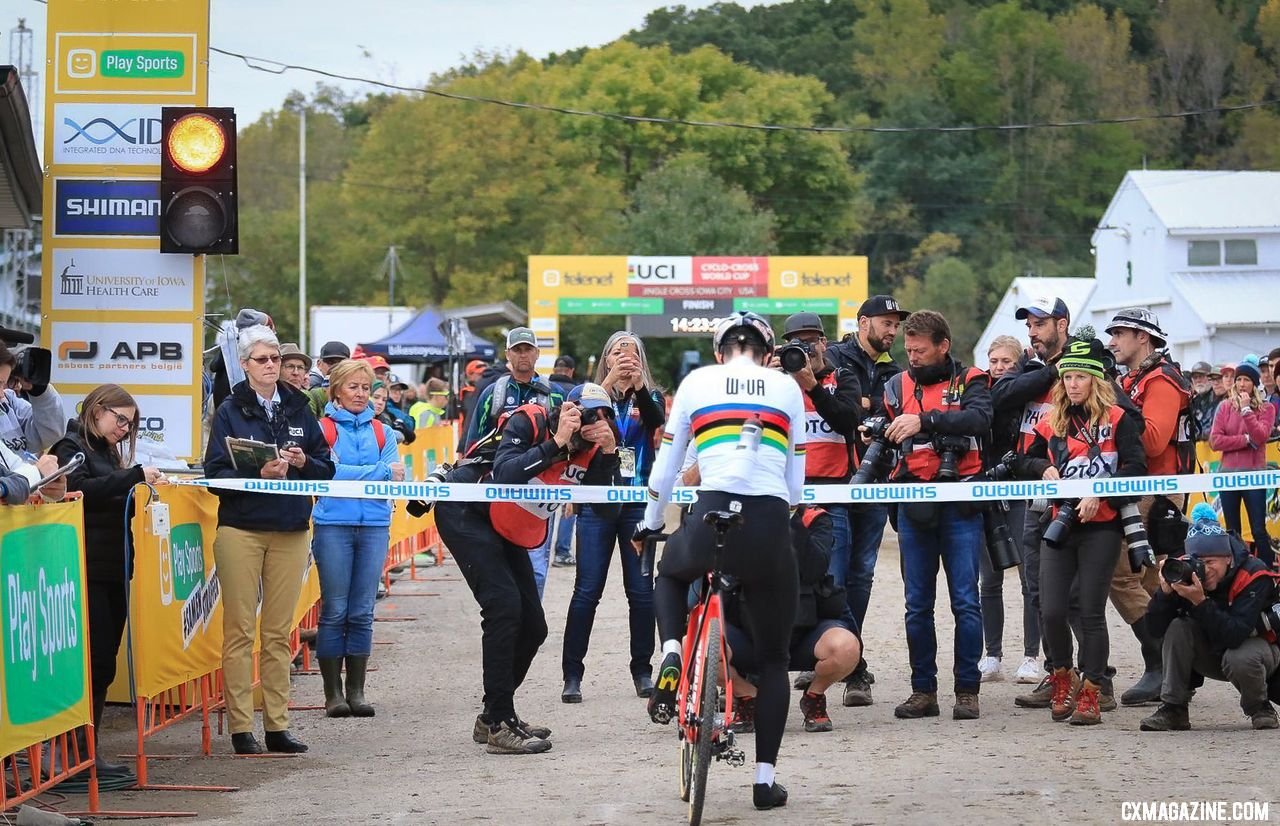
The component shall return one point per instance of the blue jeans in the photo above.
(955, 540)
(597, 538)
(541, 559)
(564, 539)
(854, 549)
(349, 559)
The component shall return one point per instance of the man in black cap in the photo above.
(1211, 626)
(330, 354)
(866, 355)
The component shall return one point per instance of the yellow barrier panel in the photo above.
(44, 648)
(1208, 460)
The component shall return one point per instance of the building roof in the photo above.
(1218, 200)
(1074, 291)
(1232, 298)
(21, 183)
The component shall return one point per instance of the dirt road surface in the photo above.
(415, 761)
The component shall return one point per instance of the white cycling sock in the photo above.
(671, 647)
(764, 773)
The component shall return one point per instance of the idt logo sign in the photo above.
(43, 642)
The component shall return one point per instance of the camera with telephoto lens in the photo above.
(1270, 620)
(1141, 554)
(1178, 570)
(1056, 532)
(421, 507)
(878, 460)
(1002, 471)
(1002, 551)
(950, 449)
(794, 355)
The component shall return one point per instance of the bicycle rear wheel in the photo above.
(686, 768)
(707, 693)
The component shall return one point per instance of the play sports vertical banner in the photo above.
(44, 653)
(114, 308)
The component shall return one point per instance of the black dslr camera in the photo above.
(1179, 570)
(33, 364)
(1001, 549)
(878, 460)
(950, 449)
(794, 355)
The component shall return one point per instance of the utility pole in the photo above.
(302, 231)
(391, 291)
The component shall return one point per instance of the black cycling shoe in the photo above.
(768, 795)
(662, 703)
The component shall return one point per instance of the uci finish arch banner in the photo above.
(115, 309)
(675, 295)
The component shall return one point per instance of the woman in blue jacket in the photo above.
(351, 537)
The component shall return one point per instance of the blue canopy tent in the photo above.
(419, 340)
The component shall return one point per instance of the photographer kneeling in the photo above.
(577, 443)
(1209, 606)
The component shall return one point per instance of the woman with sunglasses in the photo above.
(106, 432)
(262, 537)
(639, 412)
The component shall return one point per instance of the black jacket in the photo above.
(105, 486)
(1027, 381)
(242, 417)
(842, 409)
(871, 373)
(522, 454)
(1225, 625)
(812, 548)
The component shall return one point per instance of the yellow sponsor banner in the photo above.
(109, 63)
(1208, 460)
(175, 598)
(433, 446)
(44, 651)
(557, 277)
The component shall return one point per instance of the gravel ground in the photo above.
(415, 762)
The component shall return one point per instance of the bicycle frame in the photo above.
(694, 659)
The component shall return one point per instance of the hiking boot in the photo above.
(1107, 695)
(744, 715)
(1064, 684)
(966, 707)
(803, 680)
(1264, 717)
(919, 704)
(662, 705)
(768, 796)
(1086, 711)
(511, 738)
(857, 690)
(1039, 697)
(814, 709)
(480, 731)
(1168, 717)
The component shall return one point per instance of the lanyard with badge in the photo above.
(622, 415)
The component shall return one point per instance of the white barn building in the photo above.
(1024, 289)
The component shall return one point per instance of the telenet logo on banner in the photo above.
(843, 277)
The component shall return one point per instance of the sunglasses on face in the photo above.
(265, 359)
(122, 422)
(296, 367)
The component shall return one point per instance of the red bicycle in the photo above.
(704, 730)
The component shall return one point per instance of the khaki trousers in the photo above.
(277, 560)
(1130, 592)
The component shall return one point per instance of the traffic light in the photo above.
(198, 193)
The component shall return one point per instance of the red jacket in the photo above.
(1233, 431)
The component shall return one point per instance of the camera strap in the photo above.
(1095, 450)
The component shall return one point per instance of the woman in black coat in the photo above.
(106, 432)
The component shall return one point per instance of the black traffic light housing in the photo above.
(199, 205)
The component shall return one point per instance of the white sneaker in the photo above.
(1029, 672)
(990, 669)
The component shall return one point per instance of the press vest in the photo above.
(1032, 414)
(1075, 458)
(1242, 580)
(1180, 455)
(525, 523)
(826, 451)
(921, 459)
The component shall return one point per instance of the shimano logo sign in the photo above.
(111, 208)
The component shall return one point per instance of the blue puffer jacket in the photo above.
(356, 456)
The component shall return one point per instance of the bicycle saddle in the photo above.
(722, 521)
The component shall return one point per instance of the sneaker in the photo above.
(857, 691)
(511, 738)
(1086, 711)
(1039, 697)
(919, 704)
(989, 668)
(662, 705)
(480, 731)
(561, 561)
(1065, 685)
(803, 680)
(1030, 672)
(1168, 717)
(1264, 717)
(768, 796)
(814, 709)
(966, 707)
(744, 715)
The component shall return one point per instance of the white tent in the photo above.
(1074, 291)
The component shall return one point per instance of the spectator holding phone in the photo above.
(106, 432)
(262, 538)
(1240, 429)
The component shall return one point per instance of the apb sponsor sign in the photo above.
(44, 659)
(92, 63)
(122, 353)
(121, 208)
(164, 422)
(119, 134)
(113, 280)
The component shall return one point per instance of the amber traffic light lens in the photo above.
(196, 143)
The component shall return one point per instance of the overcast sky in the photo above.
(399, 41)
